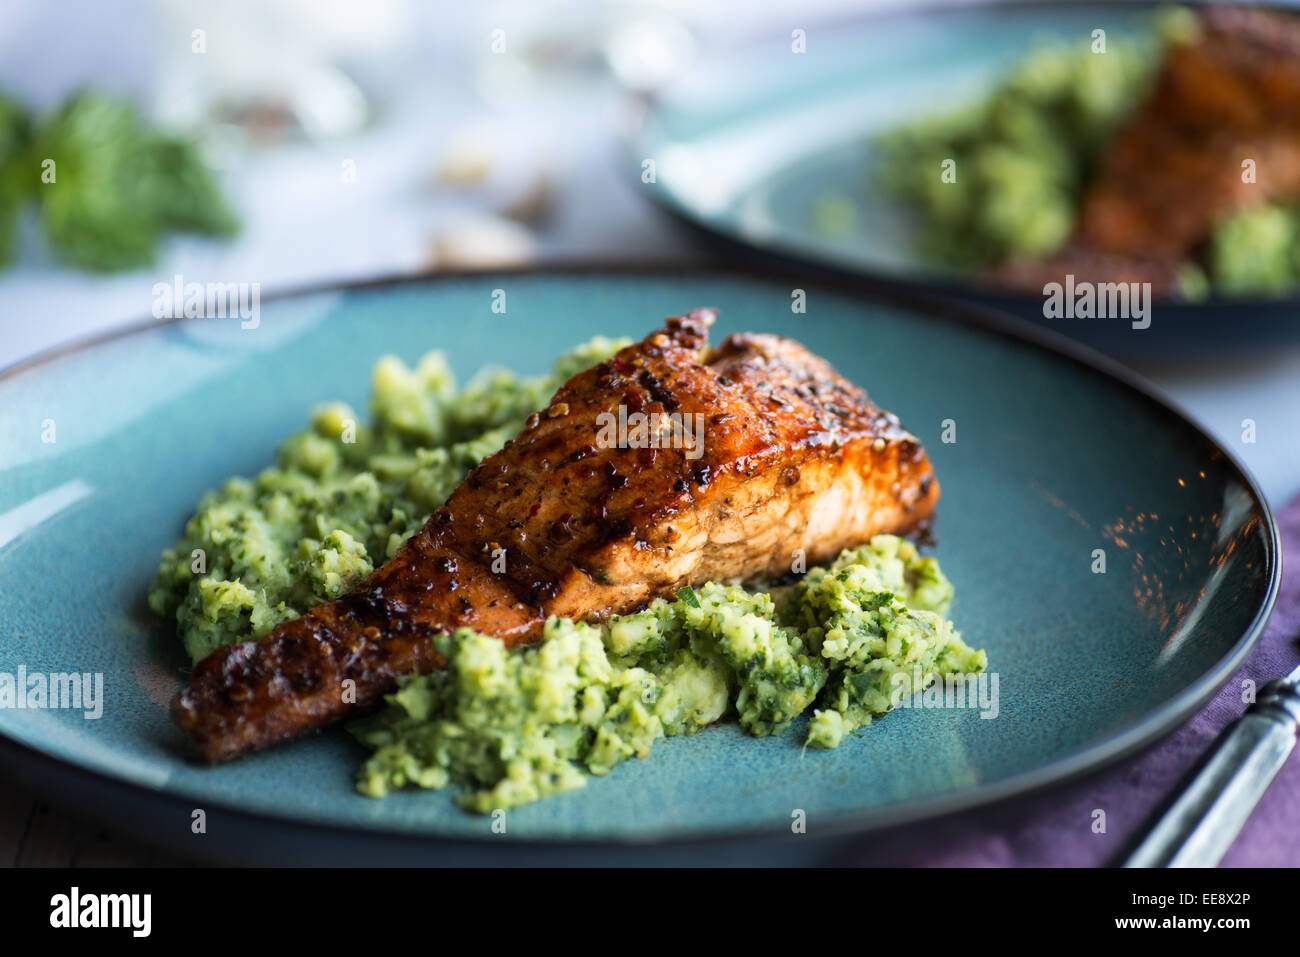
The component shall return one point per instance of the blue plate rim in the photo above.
(17, 755)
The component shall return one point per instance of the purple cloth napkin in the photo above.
(1056, 828)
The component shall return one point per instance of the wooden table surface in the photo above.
(33, 833)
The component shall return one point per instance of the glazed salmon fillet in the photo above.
(760, 456)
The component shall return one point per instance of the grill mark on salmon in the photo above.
(794, 459)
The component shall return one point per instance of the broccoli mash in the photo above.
(512, 726)
(508, 726)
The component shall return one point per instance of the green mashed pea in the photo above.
(1257, 250)
(512, 726)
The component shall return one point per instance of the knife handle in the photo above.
(1202, 823)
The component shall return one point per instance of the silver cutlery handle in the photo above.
(1202, 823)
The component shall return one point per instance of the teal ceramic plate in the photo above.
(750, 144)
(1054, 462)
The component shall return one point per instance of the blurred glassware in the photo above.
(483, 242)
(647, 50)
(272, 69)
(639, 45)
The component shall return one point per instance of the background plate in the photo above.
(1052, 460)
(747, 145)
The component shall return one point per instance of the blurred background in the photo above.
(301, 142)
(363, 139)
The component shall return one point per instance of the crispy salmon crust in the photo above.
(762, 455)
